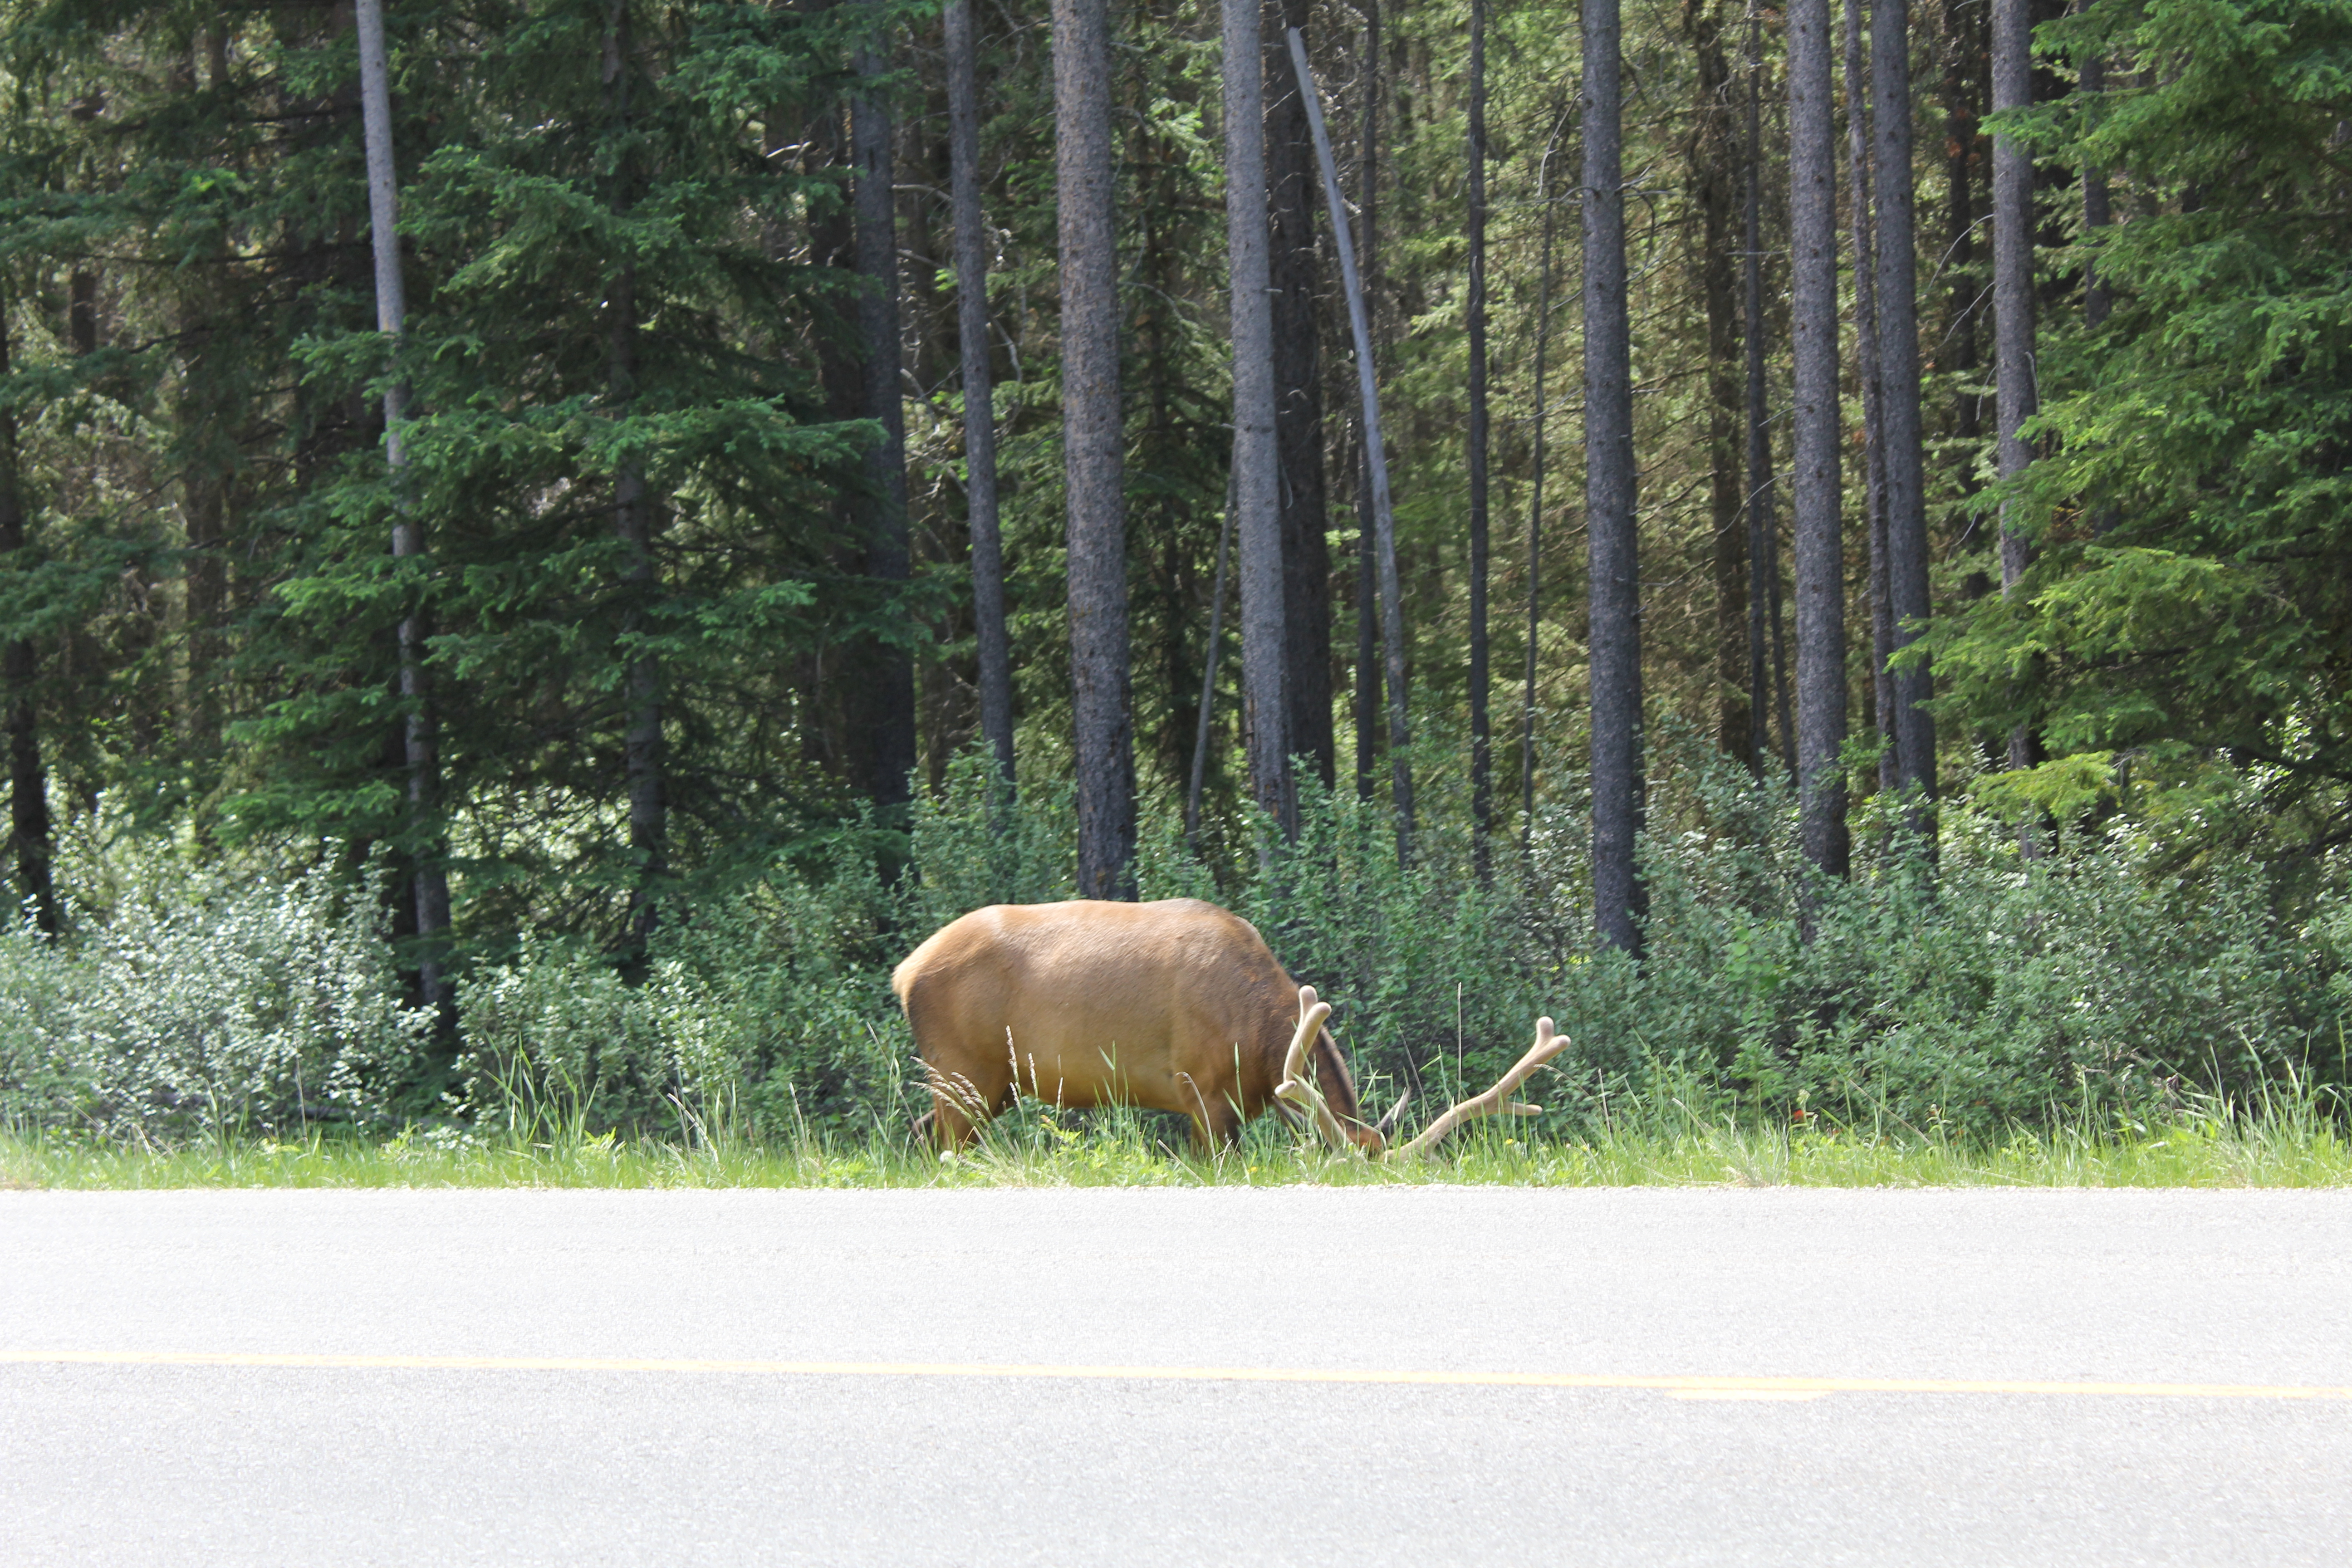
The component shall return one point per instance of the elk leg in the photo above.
(959, 1104)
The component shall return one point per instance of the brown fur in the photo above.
(1176, 1006)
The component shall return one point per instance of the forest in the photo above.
(545, 543)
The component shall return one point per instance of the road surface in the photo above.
(1419, 1375)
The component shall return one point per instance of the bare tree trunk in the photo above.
(1713, 162)
(1481, 785)
(1295, 275)
(1814, 482)
(30, 842)
(1209, 672)
(1535, 500)
(1375, 455)
(633, 509)
(1873, 435)
(1264, 646)
(430, 877)
(882, 738)
(1765, 677)
(979, 392)
(2012, 290)
(1093, 443)
(1619, 901)
(1898, 378)
(1368, 593)
(1961, 64)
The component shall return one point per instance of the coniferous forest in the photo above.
(545, 543)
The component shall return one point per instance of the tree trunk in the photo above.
(1481, 785)
(1712, 164)
(30, 841)
(1092, 450)
(1813, 479)
(1376, 456)
(1961, 63)
(1609, 501)
(1898, 378)
(1873, 434)
(1367, 595)
(2012, 290)
(1257, 504)
(633, 525)
(979, 397)
(1535, 500)
(882, 736)
(429, 876)
(1766, 680)
(1209, 673)
(1295, 277)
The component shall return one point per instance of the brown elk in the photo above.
(1175, 1005)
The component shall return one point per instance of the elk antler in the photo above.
(1496, 1101)
(1298, 1088)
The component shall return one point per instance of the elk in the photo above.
(1174, 1005)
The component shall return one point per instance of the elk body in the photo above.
(1174, 1005)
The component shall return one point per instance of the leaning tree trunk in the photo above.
(29, 836)
(430, 877)
(1609, 501)
(642, 759)
(1368, 593)
(882, 736)
(1874, 435)
(1482, 783)
(979, 395)
(1813, 477)
(1713, 171)
(1256, 502)
(1898, 380)
(1294, 274)
(1092, 446)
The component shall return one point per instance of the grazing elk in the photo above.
(1175, 1005)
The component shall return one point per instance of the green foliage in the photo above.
(249, 997)
(2192, 603)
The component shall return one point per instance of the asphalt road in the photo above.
(1735, 1377)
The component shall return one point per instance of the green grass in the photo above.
(2278, 1141)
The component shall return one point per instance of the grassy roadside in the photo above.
(2287, 1143)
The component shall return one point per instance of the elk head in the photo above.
(1298, 1090)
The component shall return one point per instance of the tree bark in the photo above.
(1712, 164)
(979, 392)
(1376, 458)
(1898, 376)
(882, 736)
(1874, 435)
(1765, 678)
(1535, 499)
(1265, 649)
(633, 510)
(1962, 70)
(2013, 303)
(1481, 785)
(1609, 501)
(430, 877)
(1093, 445)
(1295, 275)
(1368, 593)
(1814, 465)
(30, 840)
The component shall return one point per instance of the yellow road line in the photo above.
(1681, 1386)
